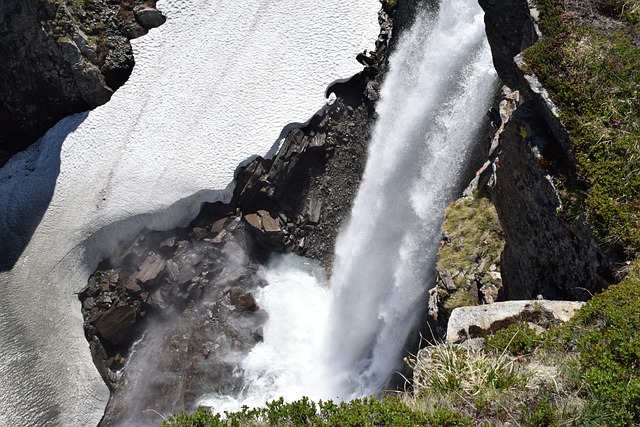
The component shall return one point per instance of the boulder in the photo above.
(254, 221)
(149, 17)
(483, 320)
(243, 301)
(269, 224)
(150, 268)
(116, 324)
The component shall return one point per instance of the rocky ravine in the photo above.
(60, 57)
(188, 292)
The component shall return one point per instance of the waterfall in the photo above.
(433, 101)
(344, 339)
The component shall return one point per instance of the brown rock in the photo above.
(269, 224)
(150, 268)
(254, 221)
(218, 226)
(116, 324)
(243, 301)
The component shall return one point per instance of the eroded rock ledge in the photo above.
(61, 57)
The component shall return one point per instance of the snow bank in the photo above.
(213, 86)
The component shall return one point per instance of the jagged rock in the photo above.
(483, 320)
(218, 225)
(150, 268)
(133, 285)
(446, 279)
(546, 252)
(148, 17)
(510, 29)
(242, 301)
(269, 224)
(254, 221)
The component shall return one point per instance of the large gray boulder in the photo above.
(149, 17)
(482, 320)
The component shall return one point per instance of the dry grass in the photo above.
(496, 388)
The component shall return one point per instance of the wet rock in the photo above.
(243, 301)
(116, 323)
(150, 268)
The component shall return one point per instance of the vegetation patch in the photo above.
(472, 241)
(390, 411)
(589, 62)
(604, 335)
(516, 339)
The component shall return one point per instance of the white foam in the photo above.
(213, 86)
(288, 363)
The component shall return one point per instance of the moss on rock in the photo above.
(470, 250)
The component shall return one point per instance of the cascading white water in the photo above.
(433, 101)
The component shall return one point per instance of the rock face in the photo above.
(480, 321)
(58, 58)
(549, 251)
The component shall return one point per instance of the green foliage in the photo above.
(390, 411)
(605, 335)
(516, 339)
(593, 77)
(540, 415)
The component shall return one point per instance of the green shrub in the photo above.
(540, 415)
(605, 334)
(516, 339)
(390, 411)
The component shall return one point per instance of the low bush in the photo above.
(390, 411)
(605, 336)
(517, 339)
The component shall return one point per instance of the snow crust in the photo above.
(213, 86)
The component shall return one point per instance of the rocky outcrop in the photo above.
(62, 57)
(189, 294)
(480, 321)
(550, 251)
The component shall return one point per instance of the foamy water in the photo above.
(213, 86)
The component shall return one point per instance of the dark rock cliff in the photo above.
(60, 57)
(548, 251)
